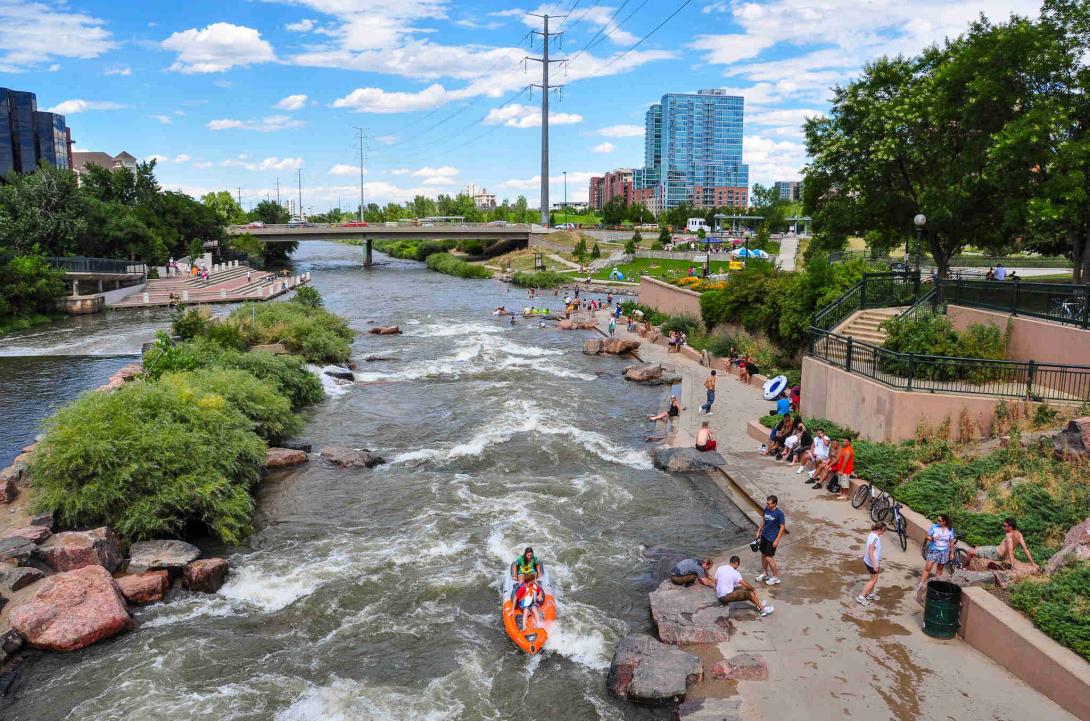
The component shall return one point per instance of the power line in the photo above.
(617, 26)
(600, 30)
(645, 37)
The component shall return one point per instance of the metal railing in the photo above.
(875, 290)
(1059, 302)
(1025, 380)
(79, 264)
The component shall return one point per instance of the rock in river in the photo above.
(646, 671)
(75, 549)
(71, 610)
(16, 579)
(338, 372)
(147, 587)
(153, 555)
(689, 615)
(685, 460)
(205, 575)
(384, 330)
(651, 374)
(284, 457)
(351, 457)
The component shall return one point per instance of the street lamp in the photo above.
(920, 220)
(565, 200)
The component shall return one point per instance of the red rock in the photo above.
(72, 610)
(148, 587)
(31, 533)
(75, 549)
(385, 330)
(284, 457)
(743, 667)
(7, 489)
(566, 324)
(205, 575)
(1078, 534)
(129, 372)
(616, 346)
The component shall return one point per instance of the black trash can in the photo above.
(942, 610)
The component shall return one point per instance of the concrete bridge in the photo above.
(487, 232)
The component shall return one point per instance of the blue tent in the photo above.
(616, 275)
(749, 253)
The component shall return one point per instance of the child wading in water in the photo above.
(872, 559)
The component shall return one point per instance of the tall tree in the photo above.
(226, 208)
(44, 210)
(270, 213)
(614, 212)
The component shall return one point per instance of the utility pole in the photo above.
(544, 60)
(240, 197)
(299, 175)
(278, 191)
(360, 131)
(565, 199)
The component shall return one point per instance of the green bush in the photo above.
(314, 333)
(226, 335)
(540, 279)
(471, 247)
(413, 249)
(1061, 606)
(307, 295)
(932, 334)
(28, 285)
(682, 323)
(267, 408)
(447, 263)
(189, 323)
(147, 460)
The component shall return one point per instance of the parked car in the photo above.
(499, 223)
(301, 224)
(355, 224)
(254, 225)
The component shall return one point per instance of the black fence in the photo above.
(1059, 302)
(78, 264)
(940, 374)
(875, 290)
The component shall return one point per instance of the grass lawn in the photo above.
(588, 220)
(665, 269)
(1052, 278)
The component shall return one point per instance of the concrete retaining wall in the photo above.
(670, 299)
(1031, 339)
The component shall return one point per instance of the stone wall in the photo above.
(670, 299)
(1031, 339)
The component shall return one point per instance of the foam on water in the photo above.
(330, 386)
(272, 581)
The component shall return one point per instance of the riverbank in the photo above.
(824, 655)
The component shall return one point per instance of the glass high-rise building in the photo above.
(28, 135)
(693, 151)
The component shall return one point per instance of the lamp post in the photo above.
(565, 200)
(920, 220)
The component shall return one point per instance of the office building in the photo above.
(484, 200)
(603, 188)
(693, 152)
(28, 135)
(789, 190)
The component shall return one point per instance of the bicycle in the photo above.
(900, 525)
(881, 506)
(866, 493)
(958, 556)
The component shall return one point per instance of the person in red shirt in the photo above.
(528, 598)
(845, 467)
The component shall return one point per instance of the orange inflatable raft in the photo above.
(531, 637)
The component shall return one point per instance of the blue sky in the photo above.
(232, 95)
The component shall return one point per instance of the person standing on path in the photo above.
(768, 539)
(612, 326)
(940, 543)
(709, 385)
(872, 559)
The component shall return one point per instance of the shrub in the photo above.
(540, 279)
(146, 460)
(932, 334)
(446, 263)
(265, 406)
(226, 335)
(314, 333)
(308, 295)
(471, 247)
(595, 252)
(189, 323)
(1060, 606)
(682, 323)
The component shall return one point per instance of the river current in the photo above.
(374, 594)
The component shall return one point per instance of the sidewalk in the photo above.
(828, 657)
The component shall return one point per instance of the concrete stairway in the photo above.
(224, 285)
(866, 325)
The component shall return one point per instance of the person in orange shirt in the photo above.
(845, 466)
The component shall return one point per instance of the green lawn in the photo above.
(588, 220)
(1054, 278)
(666, 269)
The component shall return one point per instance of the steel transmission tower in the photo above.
(545, 87)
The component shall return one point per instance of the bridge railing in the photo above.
(401, 224)
(80, 264)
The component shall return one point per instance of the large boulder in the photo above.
(710, 709)
(384, 330)
(687, 615)
(284, 457)
(165, 554)
(592, 346)
(965, 577)
(651, 374)
(1074, 441)
(17, 550)
(350, 457)
(7, 489)
(10, 644)
(16, 473)
(45, 520)
(337, 372)
(646, 671)
(147, 587)
(31, 533)
(75, 549)
(274, 348)
(1078, 534)
(566, 324)
(685, 460)
(71, 610)
(205, 575)
(16, 579)
(741, 667)
(616, 346)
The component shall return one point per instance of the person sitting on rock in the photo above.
(1003, 554)
(673, 411)
(528, 598)
(704, 439)
(731, 587)
(692, 570)
(525, 565)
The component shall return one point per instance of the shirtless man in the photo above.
(704, 440)
(1004, 552)
(709, 386)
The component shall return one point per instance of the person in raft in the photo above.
(704, 440)
(528, 598)
(672, 412)
(526, 565)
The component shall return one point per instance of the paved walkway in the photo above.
(789, 250)
(828, 657)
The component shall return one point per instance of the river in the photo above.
(374, 594)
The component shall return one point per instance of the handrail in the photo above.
(928, 298)
(874, 290)
(1065, 303)
(80, 264)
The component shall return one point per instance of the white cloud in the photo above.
(157, 158)
(605, 148)
(164, 119)
(386, 139)
(71, 107)
(377, 100)
(621, 131)
(181, 158)
(32, 33)
(218, 47)
(267, 124)
(292, 102)
(303, 26)
(446, 171)
(281, 164)
(55, 67)
(770, 159)
(204, 164)
(345, 169)
(240, 162)
(400, 171)
(527, 116)
(118, 70)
